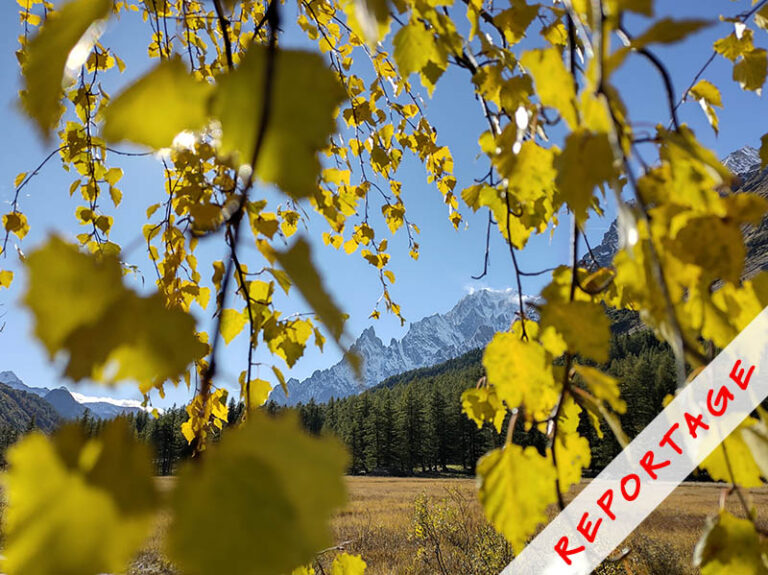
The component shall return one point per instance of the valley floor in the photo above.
(416, 526)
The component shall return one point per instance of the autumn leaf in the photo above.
(80, 306)
(554, 85)
(274, 489)
(48, 53)
(584, 327)
(88, 502)
(585, 163)
(513, 503)
(298, 126)
(168, 100)
(298, 265)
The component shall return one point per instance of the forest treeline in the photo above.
(412, 422)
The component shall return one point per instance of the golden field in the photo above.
(416, 526)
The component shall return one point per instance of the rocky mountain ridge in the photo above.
(470, 324)
(744, 163)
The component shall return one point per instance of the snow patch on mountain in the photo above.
(742, 161)
(470, 324)
(70, 405)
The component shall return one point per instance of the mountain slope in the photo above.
(18, 408)
(745, 163)
(66, 404)
(470, 324)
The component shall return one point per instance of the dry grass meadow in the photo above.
(414, 526)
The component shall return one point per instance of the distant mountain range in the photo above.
(19, 409)
(470, 324)
(474, 320)
(61, 402)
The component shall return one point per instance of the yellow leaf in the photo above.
(554, 85)
(751, 70)
(584, 327)
(232, 323)
(167, 99)
(299, 126)
(416, 50)
(708, 96)
(585, 163)
(573, 456)
(521, 373)
(669, 31)
(602, 386)
(482, 405)
(77, 505)
(298, 265)
(275, 489)
(6, 277)
(259, 392)
(733, 46)
(48, 53)
(712, 244)
(745, 471)
(80, 306)
(514, 21)
(16, 223)
(516, 486)
(346, 564)
(730, 545)
(367, 18)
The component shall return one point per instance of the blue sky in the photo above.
(434, 283)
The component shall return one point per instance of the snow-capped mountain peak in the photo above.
(470, 324)
(742, 161)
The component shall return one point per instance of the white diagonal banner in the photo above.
(702, 415)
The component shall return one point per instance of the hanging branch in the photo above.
(234, 223)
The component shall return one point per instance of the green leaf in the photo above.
(297, 263)
(554, 84)
(516, 486)
(155, 108)
(80, 306)
(77, 505)
(416, 50)
(268, 489)
(304, 97)
(751, 70)
(730, 545)
(47, 56)
(585, 163)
